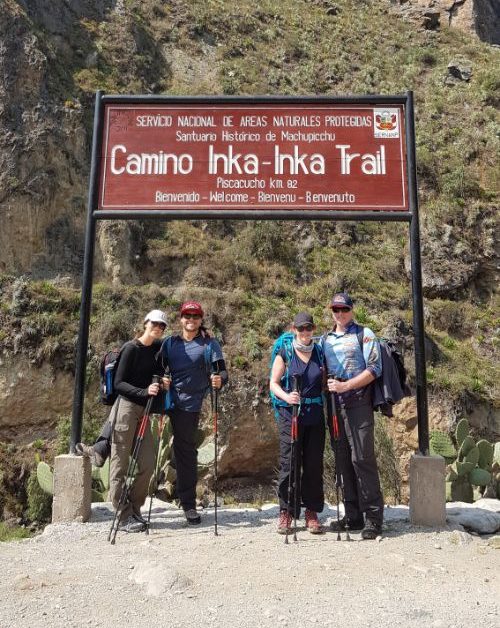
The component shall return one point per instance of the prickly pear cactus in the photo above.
(472, 456)
(479, 477)
(460, 490)
(467, 444)
(461, 431)
(45, 477)
(476, 471)
(442, 445)
(496, 453)
(485, 454)
(493, 488)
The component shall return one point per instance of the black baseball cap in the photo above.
(341, 299)
(303, 318)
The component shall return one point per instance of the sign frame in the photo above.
(411, 216)
(119, 127)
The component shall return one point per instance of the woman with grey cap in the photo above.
(302, 360)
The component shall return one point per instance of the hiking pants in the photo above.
(128, 415)
(358, 465)
(309, 448)
(184, 426)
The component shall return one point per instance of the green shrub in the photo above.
(7, 533)
(92, 424)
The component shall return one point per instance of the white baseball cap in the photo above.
(156, 316)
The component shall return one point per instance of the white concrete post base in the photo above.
(427, 491)
(72, 488)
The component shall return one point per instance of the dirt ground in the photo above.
(182, 576)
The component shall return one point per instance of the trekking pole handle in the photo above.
(295, 407)
(335, 421)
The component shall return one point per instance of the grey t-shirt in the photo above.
(190, 365)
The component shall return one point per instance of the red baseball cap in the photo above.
(191, 307)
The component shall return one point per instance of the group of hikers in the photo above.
(341, 366)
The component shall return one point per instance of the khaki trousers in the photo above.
(128, 415)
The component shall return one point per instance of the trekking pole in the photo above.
(129, 478)
(292, 479)
(339, 483)
(214, 398)
(161, 426)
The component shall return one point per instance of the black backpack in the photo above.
(390, 386)
(109, 364)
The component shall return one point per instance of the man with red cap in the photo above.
(195, 362)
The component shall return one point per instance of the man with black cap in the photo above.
(195, 362)
(353, 361)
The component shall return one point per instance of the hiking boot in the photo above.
(136, 513)
(131, 524)
(89, 452)
(340, 526)
(192, 517)
(285, 522)
(312, 523)
(371, 530)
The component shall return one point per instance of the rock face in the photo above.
(481, 17)
(43, 156)
(460, 260)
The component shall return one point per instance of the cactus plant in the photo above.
(461, 431)
(442, 445)
(460, 490)
(45, 477)
(485, 454)
(475, 472)
(479, 477)
(467, 444)
(472, 456)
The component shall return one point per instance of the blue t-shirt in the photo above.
(311, 385)
(190, 365)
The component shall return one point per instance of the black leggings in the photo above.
(310, 446)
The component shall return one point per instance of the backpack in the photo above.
(107, 370)
(285, 342)
(390, 387)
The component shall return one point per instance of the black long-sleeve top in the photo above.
(135, 371)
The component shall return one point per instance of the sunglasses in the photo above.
(160, 325)
(193, 316)
(305, 328)
(340, 309)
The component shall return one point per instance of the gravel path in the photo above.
(247, 577)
